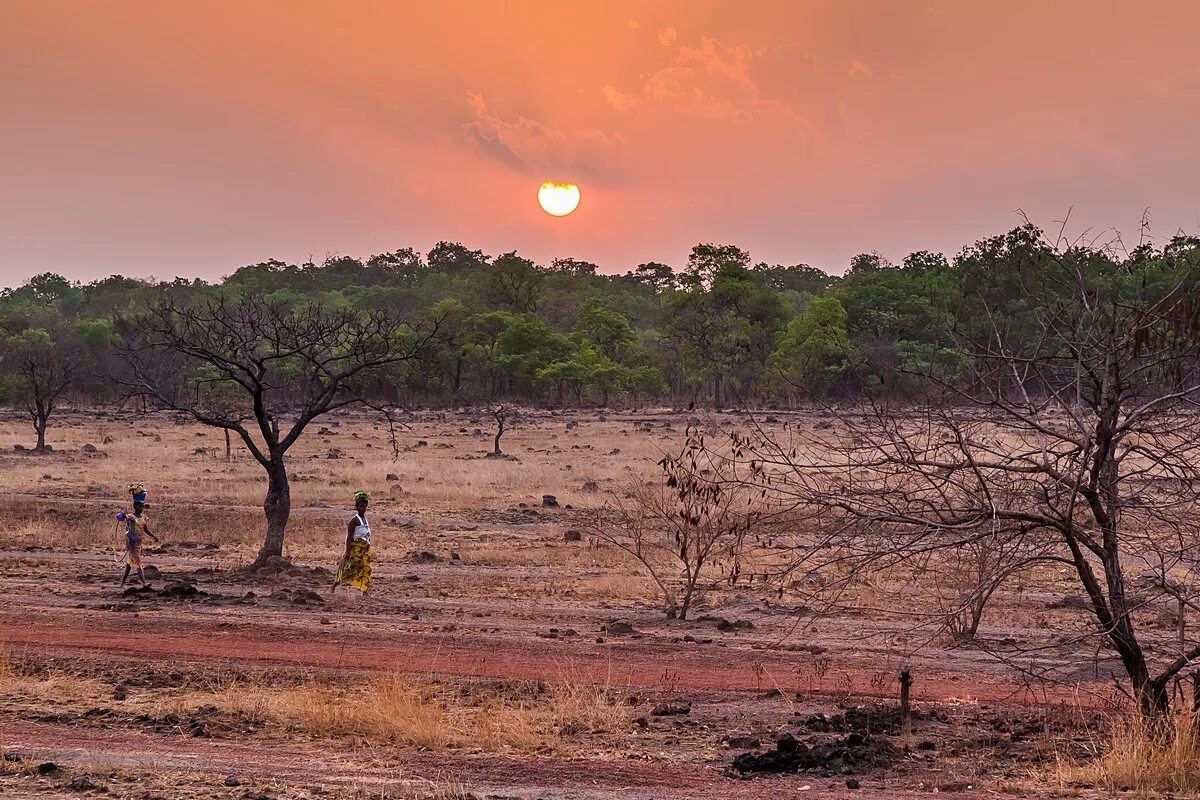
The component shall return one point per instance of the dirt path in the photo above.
(390, 770)
(619, 662)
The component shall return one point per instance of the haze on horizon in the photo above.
(193, 138)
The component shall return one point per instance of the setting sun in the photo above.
(558, 199)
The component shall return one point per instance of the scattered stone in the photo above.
(1072, 601)
(955, 786)
(334, 453)
(852, 783)
(12, 758)
(742, 741)
(616, 451)
(18, 448)
(181, 590)
(855, 752)
(549, 501)
(90, 448)
(590, 486)
(120, 692)
(231, 780)
(619, 628)
(151, 572)
(82, 784)
(392, 477)
(422, 557)
(736, 625)
(47, 768)
(107, 440)
(671, 710)
(573, 536)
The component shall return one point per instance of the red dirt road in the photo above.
(619, 662)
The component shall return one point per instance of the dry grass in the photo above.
(398, 710)
(1147, 759)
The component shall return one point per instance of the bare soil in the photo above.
(474, 586)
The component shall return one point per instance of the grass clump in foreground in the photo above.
(1149, 758)
(395, 709)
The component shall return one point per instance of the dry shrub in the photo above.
(393, 709)
(1149, 757)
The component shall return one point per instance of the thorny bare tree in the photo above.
(688, 531)
(1078, 445)
(287, 365)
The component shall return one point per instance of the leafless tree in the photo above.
(687, 531)
(288, 366)
(1077, 445)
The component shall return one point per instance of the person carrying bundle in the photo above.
(136, 526)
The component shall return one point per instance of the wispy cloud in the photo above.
(858, 68)
(530, 146)
(711, 80)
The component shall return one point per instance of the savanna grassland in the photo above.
(502, 652)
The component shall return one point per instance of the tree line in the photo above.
(721, 331)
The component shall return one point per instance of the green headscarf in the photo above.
(362, 496)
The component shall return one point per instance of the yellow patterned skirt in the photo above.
(133, 553)
(355, 569)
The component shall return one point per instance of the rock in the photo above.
(120, 692)
(392, 477)
(334, 453)
(396, 489)
(82, 784)
(47, 768)
(671, 710)
(549, 501)
(90, 448)
(742, 741)
(573, 536)
(736, 625)
(12, 758)
(18, 448)
(852, 783)
(107, 440)
(180, 589)
(151, 572)
(619, 628)
(616, 451)
(590, 486)
(407, 523)
(231, 780)
(855, 752)
(955, 786)
(422, 557)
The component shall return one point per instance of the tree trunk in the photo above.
(277, 507)
(228, 449)
(40, 426)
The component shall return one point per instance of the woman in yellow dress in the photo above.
(355, 569)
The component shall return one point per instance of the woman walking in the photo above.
(355, 569)
(135, 525)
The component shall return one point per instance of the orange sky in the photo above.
(183, 138)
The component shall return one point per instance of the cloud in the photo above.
(532, 147)
(858, 68)
(711, 80)
(621, 101)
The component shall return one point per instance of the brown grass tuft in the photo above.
(1147, 758)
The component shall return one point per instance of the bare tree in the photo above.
(687, 532)
(290, 366)
(1077, 445)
